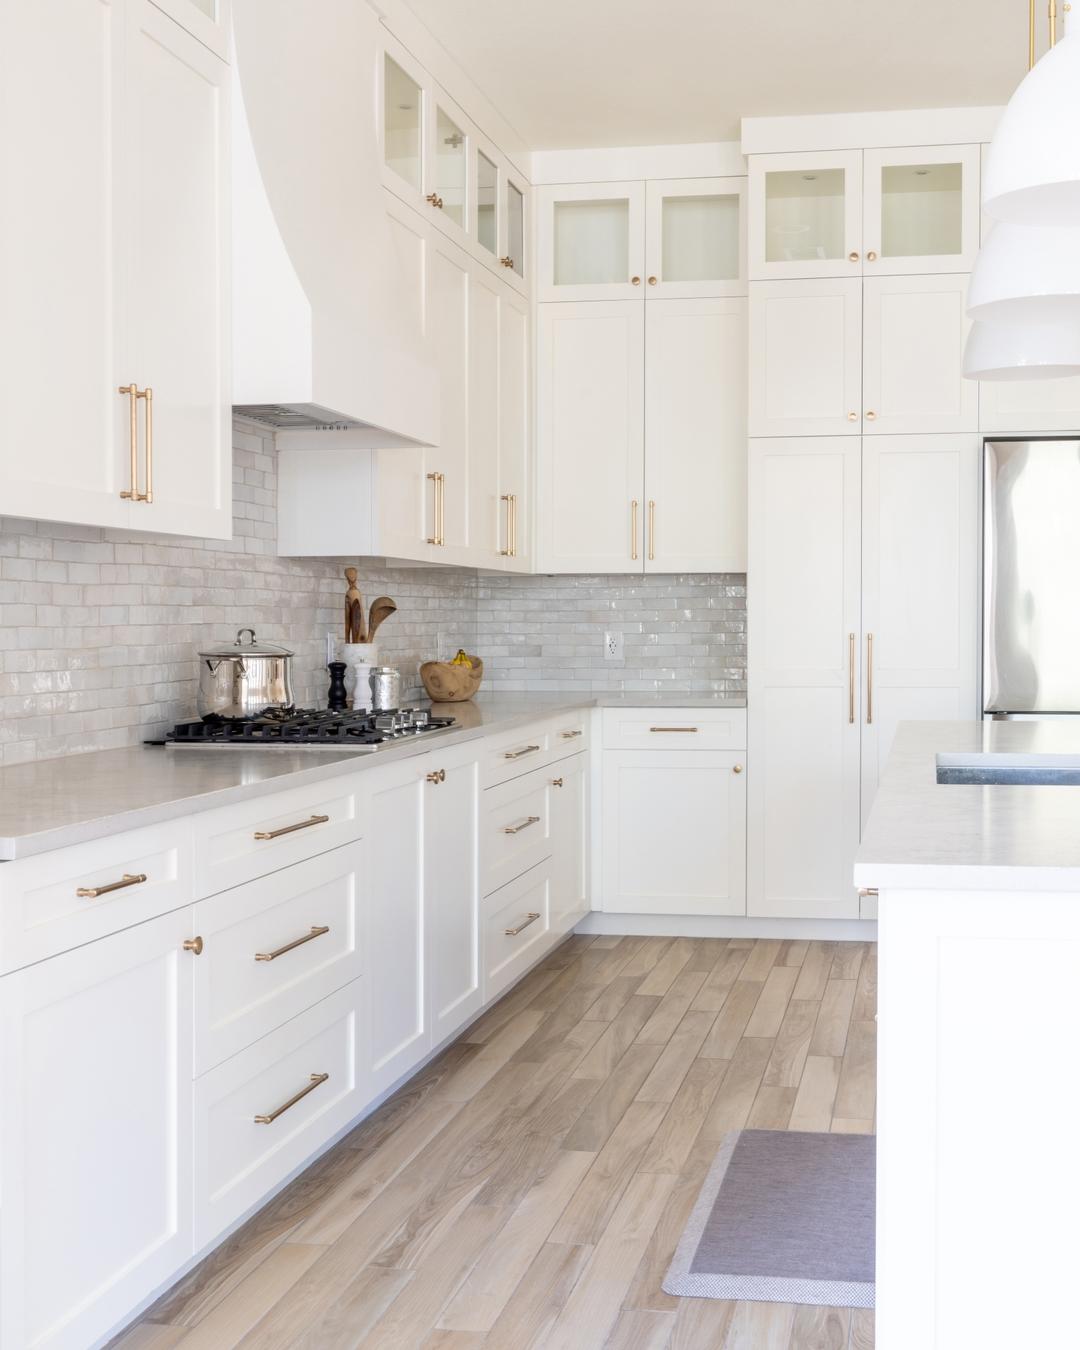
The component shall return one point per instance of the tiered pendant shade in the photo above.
(1027, 274)
(1033, 167)
(1023, 351)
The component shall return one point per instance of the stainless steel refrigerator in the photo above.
(1031, 578)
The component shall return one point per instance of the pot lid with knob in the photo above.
(247, 645)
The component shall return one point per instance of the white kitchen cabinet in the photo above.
(805, 357)
(914, 328)
(207, 20)
(451, 889)
(673, 826)
(131, 123)
(515, 233)
(95, 1148)
(921, 209)
(517, 928)
(695, 238)
(590, 437)
(803, 661)
(514, 536)
(805, 215)
(695, 436)
(447, 464)
(483, 351)
(591, 241)
(569, 805)
(920, 586)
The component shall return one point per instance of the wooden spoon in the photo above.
(354, 609)
(381, 608)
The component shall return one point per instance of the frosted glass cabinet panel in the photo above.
(450, 162)
(403, 106)
(487, 203)
(805, 214)
(921, 209)
(592, 241)
(514, 257)
(695, 237)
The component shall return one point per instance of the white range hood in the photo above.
(320, 337)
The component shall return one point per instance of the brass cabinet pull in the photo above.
(736, 768)
(853, 417)
(871, 416)
(556, 782)
(290, 829)
(132, 391)
(507, 261)
(510, 551)
(635, 281)
(438, 508)
(652, 530)
(868, 890)
(128, 879)
(435, 200)
(569, 735)
(194, 945)
(851, 678)
(513, 932)
(652, 281)
(871, 256)
(436, 776)
(516, 829)
(148, 495)
(869, 678)
(633, 530)
(688, 729)
(516, 754)
(316, 1079)
(315, 932)
(853, 256)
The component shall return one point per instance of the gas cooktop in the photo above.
(310, 728)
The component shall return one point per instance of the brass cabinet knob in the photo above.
(635, 281)
(507, 261)
(853, 417)
(437, 776)
(736, 768)
(871, 416)
(853, 256)
(652, 281)
(194, 945)
(871, 256)
(435, 200)
(556, 782)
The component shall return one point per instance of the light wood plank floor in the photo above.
(527, 1189)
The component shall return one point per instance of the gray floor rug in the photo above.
(783, 1217)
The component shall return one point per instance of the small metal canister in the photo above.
(385, 682)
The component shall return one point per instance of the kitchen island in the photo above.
(979, 960)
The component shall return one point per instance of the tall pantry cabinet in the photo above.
(863, 547)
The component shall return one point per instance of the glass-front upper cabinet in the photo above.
(805, 215)
(592, 241)
(448, 137)
(486, 206)
(695, 238)
(403, 112)
(515, 234)
(921, 209)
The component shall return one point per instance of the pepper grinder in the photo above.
(336, 696)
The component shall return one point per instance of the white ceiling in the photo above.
(574, 73)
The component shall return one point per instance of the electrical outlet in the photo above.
(613, 648)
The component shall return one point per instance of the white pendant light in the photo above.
(1033, 166)
(1013, 351)
(1027, 274)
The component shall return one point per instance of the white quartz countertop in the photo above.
(52, 803)
(924, 834)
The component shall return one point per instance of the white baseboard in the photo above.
(713, 925)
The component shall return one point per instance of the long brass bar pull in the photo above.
(316, 1079)
(291, 829)
(148, 496)
(851, 678)
(132, 391)
(510, 551)
(442, 510)
(869, 678)
(652, 531)
(516, 754)
(435, 480)
(633, 531)
(128, 879)
(291, 946)
(513, 932)
(516, 829)
(665, 729)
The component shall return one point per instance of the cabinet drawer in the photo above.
(518, 752)
(674, 728)
(515, 828)
(239, 1158)
(570, 734)
(59, 900)
(272, 948)
(252, 839)
(517, 927)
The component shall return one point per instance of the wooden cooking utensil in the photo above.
(381, 608)
(354, 609)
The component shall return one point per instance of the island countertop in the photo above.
(51, 803)
(949, 836)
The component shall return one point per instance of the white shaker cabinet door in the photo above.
(96, 1133)
(590, 436)
(448, 462)
(806, 357)
(804, 671)
(515, 477)
(451, 890)
(569, 797)
(176, 225)
(695, 435)
(914, 330)
(483, 468)
(64, 444)
(920, 582)
(674, 832)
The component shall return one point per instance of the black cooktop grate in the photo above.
(307, 726)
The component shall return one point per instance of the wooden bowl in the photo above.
(447, 683)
